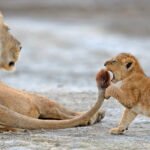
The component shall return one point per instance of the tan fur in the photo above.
(9, 47)
(19, 109)
(134, 89)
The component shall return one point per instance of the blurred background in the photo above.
(65, 42)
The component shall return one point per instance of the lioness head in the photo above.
(9, 47)
(122, 66)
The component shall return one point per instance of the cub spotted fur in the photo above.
(130, 86)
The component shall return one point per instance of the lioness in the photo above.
(130, 86)
(19, 109)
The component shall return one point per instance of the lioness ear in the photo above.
(6, 26)
(129, 65)
(1, 18)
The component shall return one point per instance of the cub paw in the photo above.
(116, 131)
(108, 91)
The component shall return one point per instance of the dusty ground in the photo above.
(94, 137)
(64, 45)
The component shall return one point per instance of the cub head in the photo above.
(122, 66)
(9, 47)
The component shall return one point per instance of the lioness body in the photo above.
(133, 91)
(25, 110)
(19, 109)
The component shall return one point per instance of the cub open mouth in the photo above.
(113, 78)
(111, 75)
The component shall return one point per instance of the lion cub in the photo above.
(130, 86)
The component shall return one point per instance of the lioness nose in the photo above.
(12, 63)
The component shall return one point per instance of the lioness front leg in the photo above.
(52, 110)
(4, 128)
(128, 117)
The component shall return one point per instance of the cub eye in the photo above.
(128, 65)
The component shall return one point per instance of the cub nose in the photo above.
(106, 63)
(11, 63)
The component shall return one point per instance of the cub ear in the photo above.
(129, 65)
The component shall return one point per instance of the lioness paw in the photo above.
(97, 117)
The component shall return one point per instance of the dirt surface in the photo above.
(94, 137)
(64, 45)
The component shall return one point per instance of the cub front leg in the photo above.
(128, 117)
(120, 95)
(113, 91)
